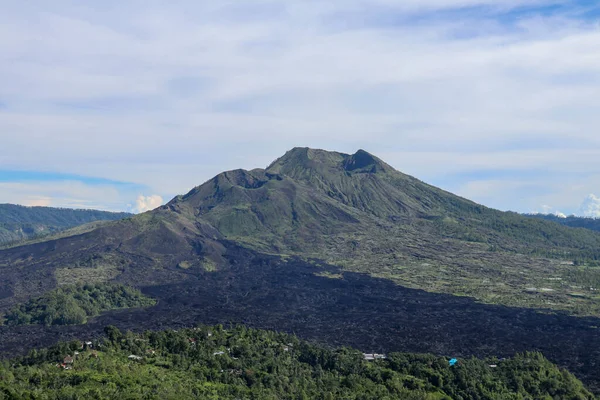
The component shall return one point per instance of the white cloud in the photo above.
(38, 201)
(546, 209)
(147, 203)
(169, 94)
(590, 207)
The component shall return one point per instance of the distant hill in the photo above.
(209, 362)
(572, 221)
(19, 223)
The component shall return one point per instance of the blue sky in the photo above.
(121, 105)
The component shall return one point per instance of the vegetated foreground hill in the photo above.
(572, 221)
(19, 223)
(215, 363)
(345, 214)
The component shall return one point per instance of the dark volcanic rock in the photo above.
(368, 313)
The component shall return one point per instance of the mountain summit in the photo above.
(303, 158)
(308, 187)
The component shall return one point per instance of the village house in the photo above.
(373, 356)
(134, 357)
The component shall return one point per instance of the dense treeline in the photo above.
(572, 221)
(588, 256)
(241, 363)
(20, 223)
(74, 304)
(59, 217)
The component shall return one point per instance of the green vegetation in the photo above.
(79, 276)
(330, 275)
(71, 305)
(19, 224)
(572, 221)
(241, 363)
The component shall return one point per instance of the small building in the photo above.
(64, 366)
(134, 357)
(373, 356)
(492, 365)
(68, 360)
(218, 353)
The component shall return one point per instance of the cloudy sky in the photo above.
(120, 105)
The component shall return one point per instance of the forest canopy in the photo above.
(240, 363)
(74, 304)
